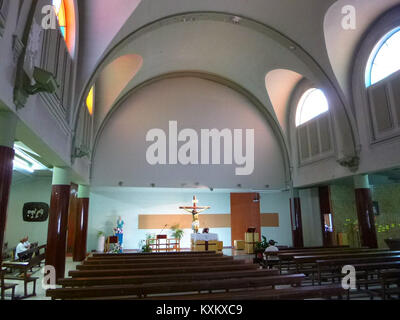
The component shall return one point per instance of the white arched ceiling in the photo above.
(284, 16)
(196, 104)
(240, 52)
(280, 84)
(111, 81)
(342, 44)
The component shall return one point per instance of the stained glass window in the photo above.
(61, 12)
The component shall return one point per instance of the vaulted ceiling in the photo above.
(239, 40)
(262, 46)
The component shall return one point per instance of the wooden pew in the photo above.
(160, 270)
(388, 278)
(24, 267)
(311, 259)
(287, 258)
(164, 260)
(143, 290)
(155, 264)
(313, 248)
(6, 286)
(102, 281)
(333, 265)
(297, 293)
(151, 257)
(150, 254)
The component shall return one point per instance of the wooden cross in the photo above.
(195, 210)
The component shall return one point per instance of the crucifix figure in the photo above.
(195, 210)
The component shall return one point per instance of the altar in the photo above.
(205, 242)
(204, 237)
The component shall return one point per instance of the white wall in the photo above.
(310, 214)
(107, 203)
(197, 104)
(277, 203)
(28, 190)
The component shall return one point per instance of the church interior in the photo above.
(190, 150)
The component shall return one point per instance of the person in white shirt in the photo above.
(21, 247)
(271, 258)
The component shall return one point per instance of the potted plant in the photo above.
(101, 237)
(259, 249)
(177, 233)
(145, 246)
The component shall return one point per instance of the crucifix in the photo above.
(195, 210)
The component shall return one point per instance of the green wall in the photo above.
(387, 223)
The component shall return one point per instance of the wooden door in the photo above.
(245, 213)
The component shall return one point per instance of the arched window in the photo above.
(312, 103)
(384, 59)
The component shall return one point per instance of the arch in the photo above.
(215, 78)
(133, 116)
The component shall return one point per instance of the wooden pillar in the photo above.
(58, 221)
(81, 226)
(8, 124)
(325, 209)
(365, 212)
(295, 215)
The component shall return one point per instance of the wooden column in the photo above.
(295, 215)
(81, 226)
(58, 221)
(8, 123)
(325, 208)
(72, 214)
(365, 213)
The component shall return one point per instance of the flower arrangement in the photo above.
(118, 231)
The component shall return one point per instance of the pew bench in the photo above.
(178, 286)
(334, 266)
(6, 286)
(24, 267)
(155, 254)
(156, 264)
(294, 293)
(152, 260)
(160, 270)
(102, 281)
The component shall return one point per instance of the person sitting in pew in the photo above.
(271, 258)
(22, 246)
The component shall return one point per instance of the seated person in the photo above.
(22, 246)
(27, 243)
(271, 258)
(206, 230)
